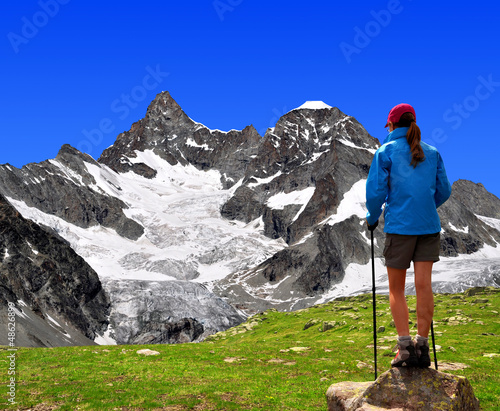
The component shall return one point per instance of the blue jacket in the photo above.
(411, 195)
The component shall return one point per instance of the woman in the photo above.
(409, 177)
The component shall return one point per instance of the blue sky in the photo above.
(82, 72)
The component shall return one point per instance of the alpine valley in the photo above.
(178, 231)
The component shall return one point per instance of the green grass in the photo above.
(264, 374)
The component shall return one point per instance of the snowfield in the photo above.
(185, 236)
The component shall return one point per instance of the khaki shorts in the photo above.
(401, 250)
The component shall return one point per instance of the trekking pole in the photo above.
(375, 309)
(434, 345)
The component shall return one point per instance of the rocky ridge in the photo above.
(176, 138)
(63, 187)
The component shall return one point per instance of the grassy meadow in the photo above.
(273, 361)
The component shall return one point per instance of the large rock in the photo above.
(182, 331)
(405, 389)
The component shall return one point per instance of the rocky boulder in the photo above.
(408, 389)
(183, 331)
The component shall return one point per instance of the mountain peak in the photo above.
(313, 105)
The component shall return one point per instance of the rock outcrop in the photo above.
(466, 219)
(477, 199)
(58, 299)
(64, 187)
(409, 389)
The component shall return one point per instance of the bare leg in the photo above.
(425, 297)
(397, 299)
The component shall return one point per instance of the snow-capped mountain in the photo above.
(188, 228)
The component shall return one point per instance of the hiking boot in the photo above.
(422, 351)
(406, 356)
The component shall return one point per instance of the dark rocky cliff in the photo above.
(58, 297)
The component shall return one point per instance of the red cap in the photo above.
(397, 111)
